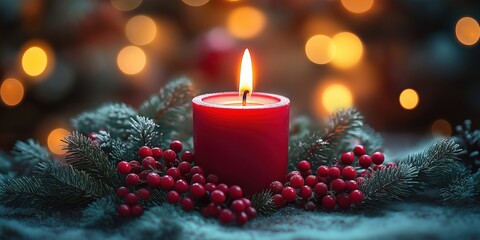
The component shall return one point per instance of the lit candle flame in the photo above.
(246, 75)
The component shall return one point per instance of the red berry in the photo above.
(217, 197)
(349, 172)
(210, 187)
(166, 182)
(241, 218)
(278, 200)
(173, 172)
(311, 181)
(176, 146)
(153, 179)
(169, 156)
(305, 192)
(137, 210)
(237, 206)
(213, 210)
(181, 186)
(378, 167)
(187, 156)
(198, 178)
(321, 189)
(276, 187)
(123, 167)
(122, 192)
(148, 162)
(195, 170)
(365, 161)
(351, 185)
(247, 202)
(303, 166)
(157, 153)
(359, 180)
(144, 193)
(222, 187)
(197, 190)
(143, 174)
(378, 158)
(334, 172)
(132, 179)
(347, 158)
(123, 210)
(251, 212)
(144, 152)
(235, 192)
(187, 204)
(158, 165)
(173, 197)
(226, 216)
(322, 171)
(391, 164)
(135, 166)
(212, 178)
(338, 185)
(329, 202)
(356, 197)
(131, 199)
(184, 167)
(297, 181)
(359, 150)
(289, 194)
(310, 206)
(343, 201)
(291, 174)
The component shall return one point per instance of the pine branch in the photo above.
(389, 184)
(86, 156)
(27, 154)
(142, 132)
(116, 149)
(368, 137)
(263, 202)
(463, 191)
(27, 192)
(310, 147)
(100, 213)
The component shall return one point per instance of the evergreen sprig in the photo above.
(100, 213)
(27, 192)
(84, 155)
(27, 154)
(463, 191)
(142, 132)
(263, 202)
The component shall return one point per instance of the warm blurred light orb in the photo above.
(34, 61)
(467, 31)
(11, 92)
(141, 30)
(320, 49)
(441, 127)
(54, 140)
(357, 6)
(126, 5)
(131, 60)
(246, 22)
(349, 50)
(195, 3)
(336, 96)
(409, 99)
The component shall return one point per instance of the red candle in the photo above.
(242, 137)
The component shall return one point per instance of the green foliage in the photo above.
(310, 147)
(463, 190)
(143, 132)
(157, 198)
(85, 155)
(27, 154)
(263, 202)
(368, 137)
(27, 192)
(100, 213)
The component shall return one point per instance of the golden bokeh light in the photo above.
(34, 61)
(357, 6)
(349, 50)
(54, 140)
(467, 31)
(141, 30)
(320, 49)
(131, 60)
(11, 92)
(409, 99)
(195, 3)
(126, 5)
(336, 96)
(246, 22)
(441, 127)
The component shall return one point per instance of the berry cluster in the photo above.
(331, 187)
(184, 184)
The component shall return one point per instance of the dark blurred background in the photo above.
(410, 66)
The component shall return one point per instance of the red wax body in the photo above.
(243, 145)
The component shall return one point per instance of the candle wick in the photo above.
(244, 99)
